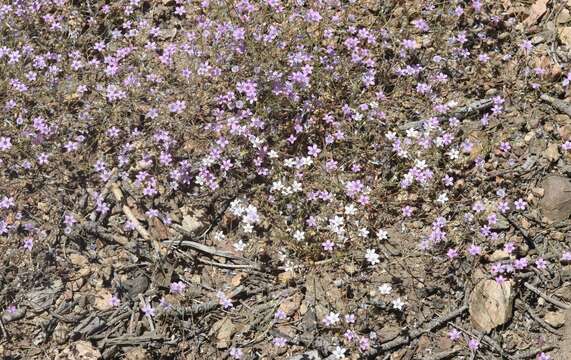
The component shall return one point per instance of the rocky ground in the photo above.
(285, 179)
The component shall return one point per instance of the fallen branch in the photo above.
(546, 297)
(231, 266)
(402, 340)
(535, 317)
(131, 217)
(207, 306)
(200, 247)
(136, 340)
(444, 355)
(531, 353)
(560, 105)
(460, 114)
(149, 319)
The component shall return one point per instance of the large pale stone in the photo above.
(491, 304)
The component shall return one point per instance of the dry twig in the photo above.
(546, 297)
(558, 104)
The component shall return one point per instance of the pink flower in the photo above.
(236, 353)
(313, 150)
(452, 253)
(474, 250)
(407, 211)
(280, 315)
(177, 107)
(541, 264)
(328, 245)
(473, 344)
(279, 342)
(148, 310)
(520, 204)
(177, 287)
(28, 244)
(509, 247)
(520, 264)
(500, 279)
(114, 301)
(454, 335)
(5, 143)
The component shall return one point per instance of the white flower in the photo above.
(336, 221)
(385, 289)
(331, 319)
(350, 209)
(372, 257)
(339, 352)
(453, 154)
(442, 198)
(299, 235)
(363, 232)
(219, 236)
(251, 215)
(398, 304)
(239, 246)
(289, 162)
(296, 186)
(421, 164)
(382, 234)
(412, 133)
(247, 228)
(307, 160)
(273, 154)
(236, 207)
(277, 186)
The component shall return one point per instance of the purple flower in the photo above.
(114, 301)
(520, 204)
(452, 253)
(177, 107)
(541, 263)
(474, 250)
(407, 211)
(313, 150)
(328, 245)
(5, 143)
(177, 287)
(279, 342)
(148, 310)
(520, 264)
(28, 244)
(454, 335)
(280, 315)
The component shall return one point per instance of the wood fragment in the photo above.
(149, 319)
(535, 317)
(201, 248)
(531, 353)
(444, 355)
(460, 113)
(405, 339)
(560, 105)
(136, 340)
(231, 266)
(546, 297)
(3, 329)
(118, 194)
